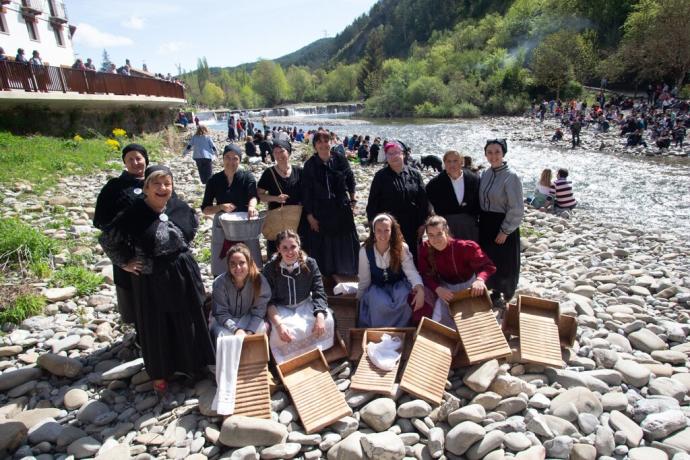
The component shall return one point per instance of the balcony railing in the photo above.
(35, 78)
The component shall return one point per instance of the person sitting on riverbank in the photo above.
(557, 136)
(542, 192)
(562, 193)
(635, 139)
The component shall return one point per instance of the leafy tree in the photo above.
(561, 57)
(301, 82)
(340, 84)
(105, 61)
(656, 41)
(268, 80)
(202, 72)
(369, 78)
(212, 95)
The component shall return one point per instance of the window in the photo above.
(58, 36)
(33, 30)
(3, 24)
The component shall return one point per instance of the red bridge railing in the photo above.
(35, 78)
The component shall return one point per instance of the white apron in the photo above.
(300, 320)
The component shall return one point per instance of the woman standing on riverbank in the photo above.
(151, 241)
(203, 153)
(328, 194)
(115, 197)
(233, 190)
(502, 209)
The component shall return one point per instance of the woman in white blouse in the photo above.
(390, 287)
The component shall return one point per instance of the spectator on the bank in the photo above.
(562, 193)
(79, 65)
(250, 147)
(542, 192)
(376, 155)
(20, 57)
(635, 139)
(203, 152)
(557, 136)
(363, 152)
(679, 134)
(575, 128)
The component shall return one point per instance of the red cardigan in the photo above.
(457, 263)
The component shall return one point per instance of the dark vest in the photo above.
(381, 276)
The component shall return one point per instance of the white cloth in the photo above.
(386, 353)
(228, 352)
(348, 287)
(441, 312)
(459, 188)
(299, 319)
(384, 261)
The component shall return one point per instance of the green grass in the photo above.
(22, 307)
(85, 281)
(204, 255)
(22, 245)
(531, 231)
(43, 160)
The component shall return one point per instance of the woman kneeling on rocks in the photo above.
(298, 312)
(240, 296)
(448, 265)
(388, 279)
(151, 241)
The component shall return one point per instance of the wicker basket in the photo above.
(237, 227)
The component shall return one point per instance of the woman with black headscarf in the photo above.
(502, 209)
(115, 197)
(328, 196)
(151, 241)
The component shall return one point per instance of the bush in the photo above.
(571, 90)
(466, 110)
(24, 306)
(21, 244)
(84, 280)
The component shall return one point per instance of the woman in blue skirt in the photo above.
(389, 285)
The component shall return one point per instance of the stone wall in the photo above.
(34, 119)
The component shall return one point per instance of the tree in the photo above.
(268, 79)
(561, 57)
(212, 96)
(106, 63)
(656, 41)
(301, 83)
(370, 76)
(202, 72)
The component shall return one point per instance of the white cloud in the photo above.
(88, 35)
(133, 22)
(169, 47)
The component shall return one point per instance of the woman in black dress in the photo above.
(232, 190)
(151, 241)
(281, 185)
(398, 190)
(328, 196)
(115, 197)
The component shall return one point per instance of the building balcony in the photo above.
(58, 14)
(32, 7)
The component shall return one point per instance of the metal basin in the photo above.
(237, 227)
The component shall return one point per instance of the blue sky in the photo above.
(166, 33)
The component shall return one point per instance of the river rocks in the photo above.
(124, 371)
(84, 447)
(92, 411)
(239, 431)
(462, 436)
(576, 400)
(414, 409)
(13, 378)
(379, 414)
(665, 386)
(479, 377)
(559, 447)
(62, 366)
(12, 434)
(286, 450)
(633, 433)
(647, 453)
(75, 398)
(57, 294)
(633, 373)
(491, 441)
(473, 413)
(661, 425)
(384, 446)
(647, 341)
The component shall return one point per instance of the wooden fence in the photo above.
(35, 78)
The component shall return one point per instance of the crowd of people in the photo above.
(471, 222)
(661, 118)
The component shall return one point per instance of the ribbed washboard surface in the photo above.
(356, 336)
(253, 398)
(539, 340)
(369, 377)
(318, 401)
(345, 314)
(427, 369)
(481, 335)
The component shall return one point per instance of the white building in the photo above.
(39, 25)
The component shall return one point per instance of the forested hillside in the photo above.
(462, 58)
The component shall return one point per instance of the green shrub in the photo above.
(466, 110)
(21, 244)
(22, 307)
(571, 90)
(204, 255)
(84, 280)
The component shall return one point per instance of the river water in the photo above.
(652, 193)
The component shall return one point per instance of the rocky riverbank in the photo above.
(72, 383)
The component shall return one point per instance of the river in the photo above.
(652, 193)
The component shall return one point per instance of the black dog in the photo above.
(433, 162)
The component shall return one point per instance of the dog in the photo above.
(433, 162)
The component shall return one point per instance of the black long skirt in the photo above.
(505, 256)
(335, 247)
(169, 319)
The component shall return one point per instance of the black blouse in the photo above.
(291, 185)
(242, 189)
(403, 195)
(116, 196)
(323, 182)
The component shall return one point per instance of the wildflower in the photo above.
(77, 138)
(113, 144)
(119, 132)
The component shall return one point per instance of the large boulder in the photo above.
(12, 435)
(59, 365)
(575, 401)
(240, 431)
(462, 436)
(379, 414)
